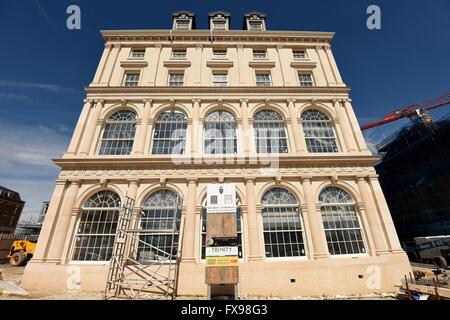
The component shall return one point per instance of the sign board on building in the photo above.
(221, 198)
(221, 251)
(221, 261)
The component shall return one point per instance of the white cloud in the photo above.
(25, 162)
(41, 86)
(13, 96)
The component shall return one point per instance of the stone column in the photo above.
(50, 220)
(78, 132)
(246, 132)
(63, 222)
(189, 232)
(319, 241)
(102, 64)
(355, 125)
(133, 185)
(195, 127)
(252, 218)
(88, 135)
(71, 231)
(372, 217)
(295, 127)
(142, 129)
(342, 145)
(347, 134)
(386, 218)
(366, 229)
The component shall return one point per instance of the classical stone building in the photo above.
(170, 111)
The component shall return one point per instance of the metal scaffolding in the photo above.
(138, 269)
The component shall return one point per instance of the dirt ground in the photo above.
(14, 274)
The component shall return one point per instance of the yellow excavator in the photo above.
(21, 252)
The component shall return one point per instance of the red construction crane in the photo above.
(412, 111)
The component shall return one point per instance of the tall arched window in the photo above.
(97, 225)
(341, 222)
(283, 229)
(161, 214)
(220, 133)
(270, 132)
(318, 131)
(118, 135)
(169, 136)
(239, 228)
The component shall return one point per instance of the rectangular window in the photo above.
(131, 79)
(137, 53)
(182, 24)
(263, 79)
(176, 79)
(305, 79)
(219, 25)
(259, 54)
(179, 53)
(255, 25)
(299, 54)
(219, 53)
(220, 79)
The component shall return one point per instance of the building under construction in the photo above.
(415, 176)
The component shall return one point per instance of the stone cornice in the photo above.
(231, 36)
(221, 90)
(261, 163)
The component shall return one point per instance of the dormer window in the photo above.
(255, 25)
(219, 25)
(255, 21)
(181, 24)
(183, 20)
(219, 20)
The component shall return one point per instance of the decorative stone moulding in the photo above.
(133, 64)
(177, 64)
(303, 64)
(219, 64)
(261, 64)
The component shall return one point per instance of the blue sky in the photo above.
(44, 66)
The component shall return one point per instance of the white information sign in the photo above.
(221, 198)
(221, 251)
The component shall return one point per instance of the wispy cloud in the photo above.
(43, 12)
(25, 161)
(40, 86)
(13, 96)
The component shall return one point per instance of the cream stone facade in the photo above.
(135, 75)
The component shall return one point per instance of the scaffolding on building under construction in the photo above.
(414, 172)
(138, 268)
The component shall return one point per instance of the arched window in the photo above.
(318, 131)
(283, 229)
(160, 225)
(238, 223)
(341, 222)
(118, 135)
(270, 132)
(169, 136)
(220, 133)
(97, 225)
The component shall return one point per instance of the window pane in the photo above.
(118, 135)
(97, 226)
(270, 132)
(318, 131)
(283, 232)
(169, 136)
(341, 223)
(160, 224)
